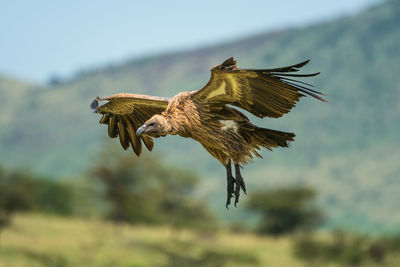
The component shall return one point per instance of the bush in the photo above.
(349, 249)
(14, 194)
(285, 210)
(21, 191)
(188, 253)
(142, 190)
(53, 197)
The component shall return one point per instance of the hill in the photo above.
(348, 149)
(11, 91)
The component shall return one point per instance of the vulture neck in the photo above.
(180, 114)
(172, 125)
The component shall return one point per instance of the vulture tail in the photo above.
(271, 138)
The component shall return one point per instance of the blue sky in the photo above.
(46, 37)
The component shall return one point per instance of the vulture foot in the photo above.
(234, 185)
(230, 184)
(230, 190)
(240, 178)
(239, 184)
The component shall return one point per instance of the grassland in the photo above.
(37, 240)
(43, 240)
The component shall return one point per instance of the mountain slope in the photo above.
(11, 91)
(53, 131)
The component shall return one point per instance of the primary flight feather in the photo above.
(204, 115)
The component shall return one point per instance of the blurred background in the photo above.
(69, 196)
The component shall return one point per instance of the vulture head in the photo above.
(156, 126)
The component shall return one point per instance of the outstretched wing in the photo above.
(125, 113)
(264, 92)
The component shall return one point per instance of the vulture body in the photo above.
(204, 115)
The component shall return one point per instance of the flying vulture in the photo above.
(208, 116)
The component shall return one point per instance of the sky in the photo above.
(44, 38)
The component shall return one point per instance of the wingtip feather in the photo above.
(94, 105)
(229, 62)
(302, 64)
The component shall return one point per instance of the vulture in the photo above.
(209, 116)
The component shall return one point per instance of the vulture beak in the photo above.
(141, 130)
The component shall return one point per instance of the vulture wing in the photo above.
(125, 113)
(264, 92)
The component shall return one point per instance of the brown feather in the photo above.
(204, 115)
(135, 141)
(261, 92)
(148, 141)
(125, 113)
(112, 127)
(105, 119)
(226, 133)
(123, 134)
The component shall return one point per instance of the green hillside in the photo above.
(11, 92)
(348, 149)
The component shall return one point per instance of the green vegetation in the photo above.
(348, 150)
(86, 205)
(348, 249)
(118, 188)
(145, 191)
(285, 210)
(36, 240)
(154, 220)
(20, 191)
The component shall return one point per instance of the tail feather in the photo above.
(266, 137)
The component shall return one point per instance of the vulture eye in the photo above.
(152, 124)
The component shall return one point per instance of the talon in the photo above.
(237, 194)
(230, 189)
(239, 183)
(234, 185)
(237, 191)
(242, 185)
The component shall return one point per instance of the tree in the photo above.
(143, 190)
(14, 194)
(348, 249)
(21, 191)
(285, 210)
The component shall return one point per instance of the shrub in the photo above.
(349, 249)
(285, 210)
(142, 190)
(21, 191)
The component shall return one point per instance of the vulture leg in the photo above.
(230, 181)
(239, 183)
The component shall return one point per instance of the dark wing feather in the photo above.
(264, 92)
(125, 113)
